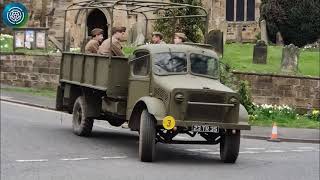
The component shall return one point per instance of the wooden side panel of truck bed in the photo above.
(96, 71)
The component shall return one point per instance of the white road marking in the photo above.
(114, 157)
(306, 148)
(213, 153)
(195, 150)
(274, 151)
(301, 150)
(74, 159)
(32, 160)
(255, 148)
(248, 152)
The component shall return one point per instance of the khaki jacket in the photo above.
(92, 46)
(116, 48)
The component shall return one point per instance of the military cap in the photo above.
(182, 36)
(96, 31)
(118, 29)
(157, 34)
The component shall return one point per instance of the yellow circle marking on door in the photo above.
(169, 122)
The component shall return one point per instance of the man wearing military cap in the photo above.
(116, 48)
(179, 38)
(93, 45)
(157, 38)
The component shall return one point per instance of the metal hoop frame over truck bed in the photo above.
(135, 7)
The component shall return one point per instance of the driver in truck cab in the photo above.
(116, 47)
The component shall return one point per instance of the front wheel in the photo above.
(147, 138)
(81, 123)
(229, 146)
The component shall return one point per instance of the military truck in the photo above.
(160, 91)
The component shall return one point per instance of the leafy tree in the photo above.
(193, 27)
(297, 20)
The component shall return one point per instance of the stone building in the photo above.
(238, 19)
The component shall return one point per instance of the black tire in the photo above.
(81, 124)
(229, 146)
(147, 137)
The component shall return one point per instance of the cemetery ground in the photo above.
(239, 57)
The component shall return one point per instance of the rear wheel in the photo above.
(81, 123)
(229, 146)
(147, 138)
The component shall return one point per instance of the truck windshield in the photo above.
(204, 65)
(170, 62)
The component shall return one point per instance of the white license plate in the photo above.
(205, 128)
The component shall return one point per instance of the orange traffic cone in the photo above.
(274, 133)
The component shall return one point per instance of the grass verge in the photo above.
(45, 92)
(300, 122)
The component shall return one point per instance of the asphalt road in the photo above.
(38, 144)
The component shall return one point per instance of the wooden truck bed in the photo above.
(96, 71)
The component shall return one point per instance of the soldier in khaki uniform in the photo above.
(116, 48)
(157, 38)
(93, 45)
(179, 38)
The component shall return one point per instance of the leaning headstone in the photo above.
(279, 39)
(215, 38)
(290, 57)
(260, 53)
(138, 33)
(264, 33)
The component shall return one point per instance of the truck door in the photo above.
(139, 79)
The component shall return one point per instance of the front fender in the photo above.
(243, 114)
(155, 106)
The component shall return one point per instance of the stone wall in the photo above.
(43, 71)
(30, 71)
(281, 89)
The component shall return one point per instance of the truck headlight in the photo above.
(233, 100)
(179, 97)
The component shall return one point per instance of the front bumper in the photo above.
(187, 124)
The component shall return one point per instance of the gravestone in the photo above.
(260, 52)
(279, 39)
(136, 34)
(264, 33)
(290, 57)
(215, 38)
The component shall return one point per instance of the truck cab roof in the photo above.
(187, 48)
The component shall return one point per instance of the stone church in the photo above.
(238, 19)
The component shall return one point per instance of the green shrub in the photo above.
(193, 27)
(245, 96)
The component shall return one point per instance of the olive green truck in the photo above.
(160, 91)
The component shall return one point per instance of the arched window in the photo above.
(230, 10)
(240, 10)
(251, 10)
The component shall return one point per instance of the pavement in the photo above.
(263, 133)
(38, 144)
